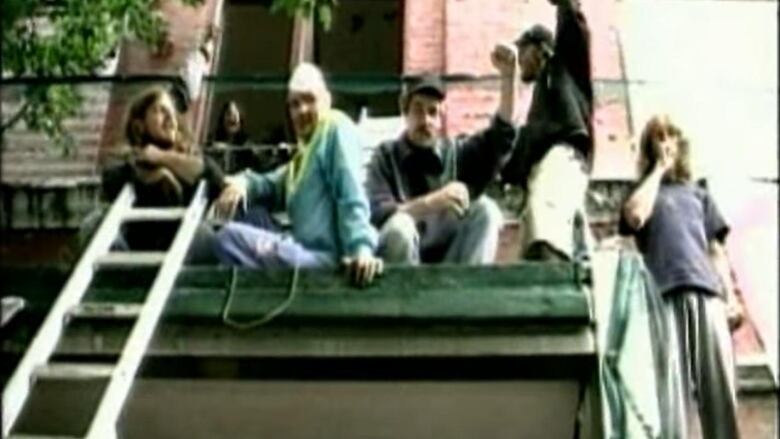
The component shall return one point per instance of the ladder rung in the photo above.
(106, 310)
(74, 371)
(155, 213)
(132, 258)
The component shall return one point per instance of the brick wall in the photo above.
(456, 37)
(423, 40)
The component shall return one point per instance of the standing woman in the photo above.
(164, 167)
(681, 235)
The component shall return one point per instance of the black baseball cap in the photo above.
(538, 35)
(427, 85)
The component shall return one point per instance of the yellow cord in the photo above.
(276, 311)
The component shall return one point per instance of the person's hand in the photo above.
(735, 312)
(232, 194)
(504, 58)
(453, 196)
(361, 270)
(664, 152)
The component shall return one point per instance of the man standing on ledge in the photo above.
(426, 190)
(551, 160)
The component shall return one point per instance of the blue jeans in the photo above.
(199, 253)
(474, 240)
(244, 245)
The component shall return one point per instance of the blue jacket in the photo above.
(325, 199)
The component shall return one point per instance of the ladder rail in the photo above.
(45, 341)
(113, 399)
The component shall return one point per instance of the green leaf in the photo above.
(306, 8)
(82, 33)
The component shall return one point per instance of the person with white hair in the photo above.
(319, 188)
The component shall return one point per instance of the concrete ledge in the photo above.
(754, 375)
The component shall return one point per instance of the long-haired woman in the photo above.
(230, 125)
(164, 166)
(681, 235)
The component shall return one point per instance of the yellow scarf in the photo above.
(300, 161)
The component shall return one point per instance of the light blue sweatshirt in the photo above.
(327, 203)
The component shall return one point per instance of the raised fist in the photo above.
(504, 57)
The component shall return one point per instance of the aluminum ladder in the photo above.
(36, 364)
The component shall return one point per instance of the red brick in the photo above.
(456, 37)
(423, 39)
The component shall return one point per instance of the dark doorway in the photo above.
(255, 42)
(364, 47)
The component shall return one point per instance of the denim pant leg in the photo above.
(246, 246)
(258, 216)
(476, 240)
(399, 241)
(201, 251)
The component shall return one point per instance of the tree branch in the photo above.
(15, 118)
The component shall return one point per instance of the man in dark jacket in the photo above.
(554, 146)
(426, 190)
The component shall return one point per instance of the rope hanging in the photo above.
(270, 315)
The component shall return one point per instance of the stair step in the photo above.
(754, 374)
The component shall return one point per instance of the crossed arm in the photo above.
(187, 167)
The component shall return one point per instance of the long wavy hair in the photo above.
(656, 130)
(136, 132)
(221, 134)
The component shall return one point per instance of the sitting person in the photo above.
(319, 188)
(681, 235)
(230, 125)
(231, 143)
(426, 190)
(228, 134)
(164, 167)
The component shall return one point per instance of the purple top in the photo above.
(675, 239)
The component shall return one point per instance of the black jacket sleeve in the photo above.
(113, 179)
(215, 178)
(481, 156)
(572, 44)
(380, 179)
